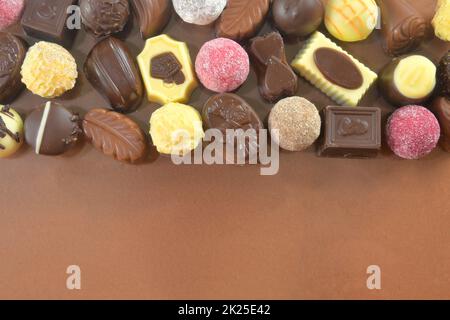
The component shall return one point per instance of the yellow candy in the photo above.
(11, 131)
(160, 90)
(49, 70)
(176, 129)
(441, 21)
(351, 20)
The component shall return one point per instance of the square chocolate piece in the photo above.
(47, 20)
(351, 132)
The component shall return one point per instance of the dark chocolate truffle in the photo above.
(443, 76)
(297, 18)
(12, 54)
(51, 129)
(104, 17)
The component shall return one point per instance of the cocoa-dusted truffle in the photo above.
(294, 123)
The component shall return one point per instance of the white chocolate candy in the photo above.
(11, 131)
(201, 12)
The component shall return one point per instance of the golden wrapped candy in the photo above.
(441, 21)
(176, 129)
(49, 70)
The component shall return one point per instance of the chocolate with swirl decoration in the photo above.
(11, 131)
(12, 54)
(104, 17)
(403, 26)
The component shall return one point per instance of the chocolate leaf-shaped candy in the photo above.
(242, 19)
(153, 15)
(115, 135)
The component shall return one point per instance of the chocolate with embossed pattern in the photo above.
(112, 70)
(47, 20)
(104, 17)
(351, 132)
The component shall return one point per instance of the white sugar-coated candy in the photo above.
(201, 12)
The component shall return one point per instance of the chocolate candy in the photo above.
(12, 54)
(441, 20)
(51, 129)
(408, 80)
(294, 124)
(351, 20)
(11, 131)
(152, 15)
(47, 20)
(334, 71)
(403, 27)
(104, 17)
(176, 129)
(200, 12)
(242, 19)
(167, 70)
(351, 132)
(111, 69)
(443, 76)
(275, 77)
(115, 135)
(441, 108)
(297, 18)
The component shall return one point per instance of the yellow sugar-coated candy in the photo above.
(49, 70)
(176, 129)
(167, 70)
(351, 20)
(441, 21)
(11, 131)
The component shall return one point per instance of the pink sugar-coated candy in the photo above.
(222, 65)
(10, 12)
(412, 132)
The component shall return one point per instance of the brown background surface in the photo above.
(158, 231)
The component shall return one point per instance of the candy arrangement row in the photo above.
(165, 72)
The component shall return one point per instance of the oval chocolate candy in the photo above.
(153, 15)
(111, 69)
(338, 68)
(12, 54)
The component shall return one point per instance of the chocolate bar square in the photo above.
(47, 20)
(351, 132)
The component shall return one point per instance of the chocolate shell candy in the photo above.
(115, 135)
(242, 19)
(51, 129)
(443, 76)
(297, 18)
(276, 79)
(403, 27)
(408, 80)
(441, 108)
(12, 53)
(104, 17)
(152, 15)
(111, 69)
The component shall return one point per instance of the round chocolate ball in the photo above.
(104, 17)
(297, 18)
(412, 132)
(51, 129)
(294, 124)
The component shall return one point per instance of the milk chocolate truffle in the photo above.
(443, 76)
(11, 131)
(297, 18)
(441, 108)
(403, 26)
(104, 17)
(294, 124)
(408, 80)
(51, 129)
(12, 54)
